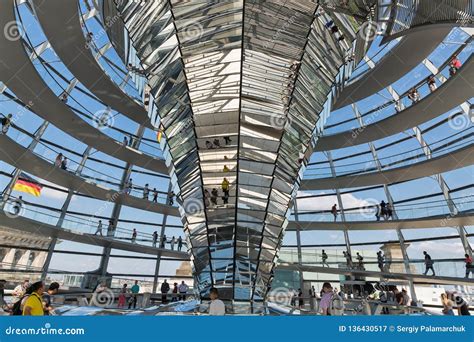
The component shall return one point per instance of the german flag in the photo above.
(27, 184)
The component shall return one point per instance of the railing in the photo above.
(442, 147)
(409, 14)
(88, 174)
(392, 107)
(362, 68)
(443, 267)
(416, 210)
(75, 103)
(350, 306)
(80, 225)
(121, 78)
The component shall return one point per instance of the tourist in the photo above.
(174, 297)
(383, 209)
(101, 287)
(125, 141)
(64, 97)
(2, 292)
(377, 212)
(135, 289)
(134, 235)
(383, 298)
(380, 261)
(183, 289)
(468, 262)
(428, 263)
(163, 241)
(155, 238)
(59, 160)
(216, 143)
(225, 189)
(225, 198)
(334, 212)
(312, 298)
(227, 140)
(53, 289)
(64, 164)
(129, 186)
(89, 37)
(447, 305)
(209, 144)
(172, 243)
(406, 297)
(463, 306)
(413, 95)
(99, 228)
(165, 287)
(155, 195)
(300, 299)
(6, 122)
(20, 290)
(389, 211)
(122, 296)
(207, 195)
(360, 260)
(454, 65)
(324, 258)
(348, 257)
(180, 243)
(398, 106)
(431, 83)
(33, 305)
(226, 169)
(171, 198)
(294, 296)
(217, 306)
(146, 191)
(398, 296)
(326, 298)
(214, 194)
(110, 228)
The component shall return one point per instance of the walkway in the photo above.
(450, 161)
(402, 58)
(66, 36)
(416, 278)
(16, 70)
(466, 219)
(37, 228)
(456, 90)
(22, 158)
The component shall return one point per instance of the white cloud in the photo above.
(437, 249)
(326, 202)
(52, 193)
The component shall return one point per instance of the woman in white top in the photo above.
(217, 306)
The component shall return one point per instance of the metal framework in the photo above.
(233, 90)
(241, 91)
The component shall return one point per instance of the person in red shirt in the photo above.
(468, 261)
(454, 65)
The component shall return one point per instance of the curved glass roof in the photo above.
(260, 79)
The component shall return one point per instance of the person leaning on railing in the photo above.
(468, 262)
(6, 122)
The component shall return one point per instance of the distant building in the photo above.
(19, 259)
